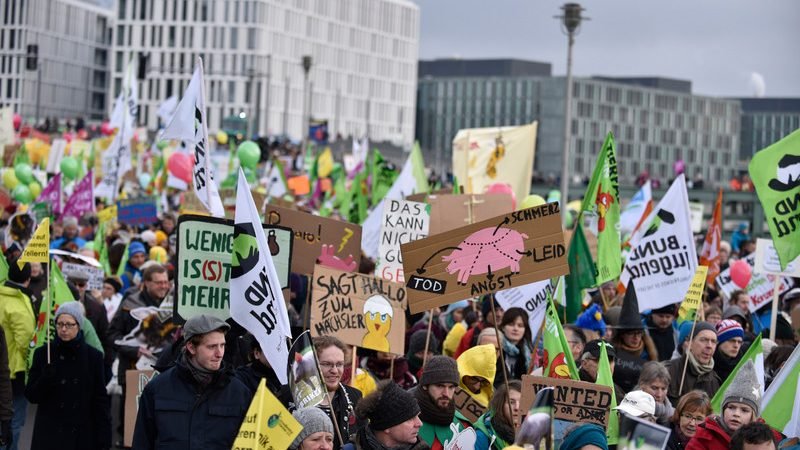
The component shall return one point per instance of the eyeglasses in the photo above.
(690, 418)
(475, 380)
(66, 325)
(327, 365)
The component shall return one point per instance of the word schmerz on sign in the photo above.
(359, 309)
(204, 252)
(574, 401)
(403, 222)
(137, 211)
(510, 250)
(467, 405)
(318, 240)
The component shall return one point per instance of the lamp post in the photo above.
(306, 62)
(570, 25)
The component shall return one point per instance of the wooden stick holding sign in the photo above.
(500, 340)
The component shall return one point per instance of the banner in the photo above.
(358, 309)
(403, 222)
(574, 401)
(38, 248)
(530, 297)
(305, 381)
(95, 274)
(203, 254)
(696, 210)
(760, 286)
(136, 380)
(486, 257)
(137, 211)
(452, 211)
(82, 199)
(636, 433)
(267, 424)
(662, 260)
(484, 156)
(767, 261)
(51, 194)
(694, 296)
(318, 240)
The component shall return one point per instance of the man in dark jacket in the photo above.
(197, 403)
(699, 360)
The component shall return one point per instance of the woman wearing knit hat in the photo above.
(317, 433)
(393, 417)
(730, 335)
(68, 384)
(740, 406)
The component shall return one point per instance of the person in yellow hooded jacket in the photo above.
(476, 369)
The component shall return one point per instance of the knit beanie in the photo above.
(440, 369)
(393, 406)
(74, 309)
(313, 421)
(702, 326)
(417, 342)
(135, 247)
(585, 434)
(728, 329)
(745, 388)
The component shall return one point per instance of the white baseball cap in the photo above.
(637, 404)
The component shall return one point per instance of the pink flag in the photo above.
(52, 194)
(82, 199)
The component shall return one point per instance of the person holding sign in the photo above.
(699, 373)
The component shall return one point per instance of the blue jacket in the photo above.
(176, 413)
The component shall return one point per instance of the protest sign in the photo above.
(204, 250)
(6, 125)
(467, 405)
(9, 154)
(760, 287)
(267, 424)
(530, 297)
(696, 210)
(136, 380)
(640, 434)
(402, 222)
(767, 261)
(95, 274)
(41, 210)
(694, 295)
(574, 401)
(300, 185)
(107, 214)
(358, 309)
(511, 250)
(318, 240)
(305, 381)
(461, 439)
(449, 212)
(137, 211)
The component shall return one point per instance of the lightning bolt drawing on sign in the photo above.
(347, 234)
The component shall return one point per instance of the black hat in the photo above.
(440, 369)
(593, 348)
(629, 318)
(114, 282)
(667, 309)
(394, 406)
(18, 275)
(417, 342)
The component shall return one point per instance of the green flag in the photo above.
(581, 272)
(778, 401)
(418, 169)
(774, 174)
(57, 294)
(558, 361)
(604, 378)
(123, 261)
(602, 202)
(754, 353)
(3, 268)
(382, 177)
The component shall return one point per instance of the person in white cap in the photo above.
(638, 404)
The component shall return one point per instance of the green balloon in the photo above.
(248, 153)
(69, 167)
(24, 173)
(22, 194)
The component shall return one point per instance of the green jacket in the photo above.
(19, 323)
(436, 435)
(484, 432)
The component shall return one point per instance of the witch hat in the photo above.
(629, 318)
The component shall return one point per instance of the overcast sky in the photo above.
(717, 45)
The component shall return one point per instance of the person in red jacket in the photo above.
(740, 406)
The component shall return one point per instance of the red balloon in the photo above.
(741, 272)
(17, 121)
(180, 166)
(503, 188)
(106, 129)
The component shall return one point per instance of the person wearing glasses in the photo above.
(699, 362)
(692, 410)
(477, 368)
(69, 387)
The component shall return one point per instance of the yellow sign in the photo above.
(107, 214)
(267, 423)
(38, 248)
(694, 295)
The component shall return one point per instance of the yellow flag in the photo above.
(267, 423)
(325, 163)
(694, 296)
(106, 214)
(38, 248)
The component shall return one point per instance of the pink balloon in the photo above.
(741, 272)
(68, 137)
(503, 188)
(180, 165)
(17, 121)
(106, 129)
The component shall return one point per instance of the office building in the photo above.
(765, 121)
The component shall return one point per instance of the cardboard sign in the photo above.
(467, 405)
(95, 274)
(574, 401)
(359, 309)
(330, 242)
(9, 153)
(204, 250)
(760, 287)
(229, 201)
(137, 211)
(135, 381)
(767, 260)
(486, 257)
(696, 210)
(402, 222)
(449, 212)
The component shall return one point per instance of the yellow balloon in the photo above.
(10, 180)
(532, 200)
(35, 188)
(222, 137)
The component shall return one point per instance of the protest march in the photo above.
(186, 288)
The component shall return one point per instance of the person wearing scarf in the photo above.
(730, 336)
(700, 373)
(498, 421)
(516, 344)
(434, 395)
(394, 420)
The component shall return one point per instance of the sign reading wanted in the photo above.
(574, 401)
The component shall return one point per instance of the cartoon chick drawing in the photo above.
(378, 320)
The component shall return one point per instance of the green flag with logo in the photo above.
(601, 202)
(775, 172)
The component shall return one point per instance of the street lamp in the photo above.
(306, 62)
(570, 25)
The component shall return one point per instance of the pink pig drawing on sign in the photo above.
(486, 250)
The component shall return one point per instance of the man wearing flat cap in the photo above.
(197, 403)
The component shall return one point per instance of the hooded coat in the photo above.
(478, 362)
(711, 435)
(18, 321)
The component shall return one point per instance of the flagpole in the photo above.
(686, 363)
(353, 366)
(500, 341)
(49, 306)
(774, 320)
(427, 339)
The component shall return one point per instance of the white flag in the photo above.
(189, 124)
(276, 187)
(126, 106)
(116, 161)
(255, 291)
(636, 209)
(167, 108)
(662, 260)
(360, 150)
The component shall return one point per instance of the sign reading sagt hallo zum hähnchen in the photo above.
(510, 250)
